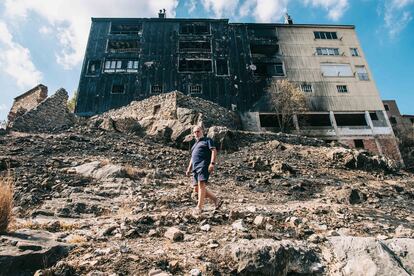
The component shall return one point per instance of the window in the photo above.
(195, 89)
(342, 88)
(121, 46)
(354, 52)
(222, 68)
(362, 73)
(194, 65)
(194, 46)
(195, 28)
(121, 66)
(359, 144)
(357, 119)
(268, 120)
(269, 69)
(306, 87)
(325, 35)
(118, 89)
(373, 116)
(155, 89)
(262, 31)
(94, 66)
(387, 108)
(264, 50)
(125, 28)
(336, 70)
(327, 51)
(314, 120)
(393, 120)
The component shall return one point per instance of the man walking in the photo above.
(202, 163)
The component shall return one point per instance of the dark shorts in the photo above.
(200, 176)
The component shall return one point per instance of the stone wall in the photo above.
(50, 115)
(26, 102)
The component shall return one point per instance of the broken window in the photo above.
(222, 68)
(361, 72)
(268, 120)
(94, 66)
(336, 70)
(393, 120)
(194, 65)
(327, 51)
(120, 46)
(264, 50)
(125, 28)
(121, 66)
(199, 28)
(386, 107)
(194, 46)
(325, 35)
(359, 144)
(155, 89)
(342, 88)
(354, 52)
(373, 116)
(195, 89)
(350, 119)
(314, 120)
(269, 69)
(118, 89)
(269, 32)
(306, 88)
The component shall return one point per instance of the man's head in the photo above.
(198, 132)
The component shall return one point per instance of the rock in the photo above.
(293, 221)
(239, 225)
(99, 170)
(33, 250)
(195, 272)
(158, 272)
(259, 221)
(205, 227)
(174, 234)
(269, 257)
(403, 232)
(222, 137)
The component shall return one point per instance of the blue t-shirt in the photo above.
(201, 153)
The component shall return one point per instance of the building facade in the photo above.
(232, 64)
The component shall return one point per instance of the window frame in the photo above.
(196, 85)
(302, 88)
(339, 88)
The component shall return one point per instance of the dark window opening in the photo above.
(194, 46)
(269, 120)
(412, 120)
(264, 32)
(195, 28)
(195, 89)
(325, 35)
(156, 89)
(157, 109)
(373, 116)
(393, 120)
(222, 67)
(118, 89)
(387, 108)
(94, 66)
(350, 119)
(194, 65)
(269, 69)
(116, 46)
(359, 144)
(342, 88)
(314, 120)
(125, 28)
(264, 50)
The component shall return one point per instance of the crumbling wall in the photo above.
(26, 102)
(50, 115)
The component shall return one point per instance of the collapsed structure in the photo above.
(232, 64)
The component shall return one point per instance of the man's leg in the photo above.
(211, 196)
(201, 194)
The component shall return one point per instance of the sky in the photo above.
(43, 41)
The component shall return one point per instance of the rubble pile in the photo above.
(118, 203)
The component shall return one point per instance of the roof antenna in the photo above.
(161, 14)
(288, 19)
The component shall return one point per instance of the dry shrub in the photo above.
(74, 239)
(6, 202)
(132, 172)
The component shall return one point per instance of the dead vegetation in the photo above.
(6, 202)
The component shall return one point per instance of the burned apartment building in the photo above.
(232, 64)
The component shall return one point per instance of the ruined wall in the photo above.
(390, 148)
(51, 114)
(27, 101)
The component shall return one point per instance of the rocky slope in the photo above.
(98, 202)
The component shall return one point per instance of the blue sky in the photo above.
(43, 41)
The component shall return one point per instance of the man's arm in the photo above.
(189, 167)
(213, 160)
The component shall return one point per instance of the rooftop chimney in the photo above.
(288, 19)
(161, 14)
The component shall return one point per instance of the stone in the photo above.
(259, 221)
(195, 272)
(239, 225)
(174, 234)
(206, 227)
(403, 232)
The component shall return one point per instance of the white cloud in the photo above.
(220, 7)
(45, 30)
(335, 8)
(3, 107)
(191, 5)
(15, 60)
(397, 16)
(264, 10)
(70, 20)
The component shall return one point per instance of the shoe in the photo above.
(218, 204)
